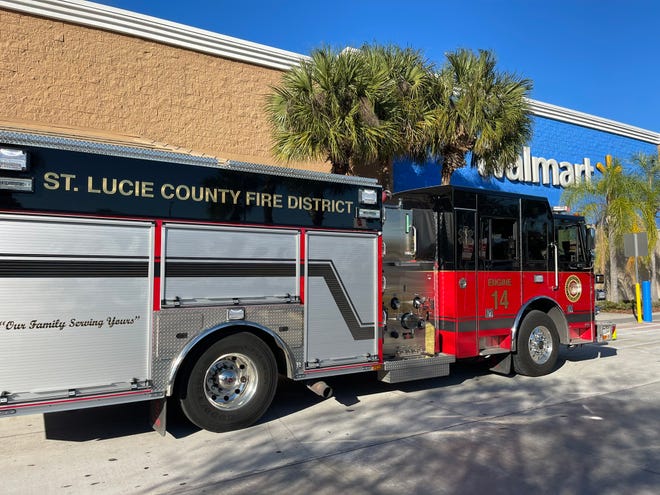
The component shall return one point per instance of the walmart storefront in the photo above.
(566, 147)
(89, 66)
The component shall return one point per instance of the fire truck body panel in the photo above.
(74, 291)
(120, 266)
(341, 269)
(204, 264)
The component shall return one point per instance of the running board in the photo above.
(418, 368)
(489, 351)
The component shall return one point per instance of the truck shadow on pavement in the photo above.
(103, 423)
(585, 353)
(98, 423)
(108, 422)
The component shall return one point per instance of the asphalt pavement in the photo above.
(590, 427)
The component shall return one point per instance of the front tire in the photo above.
(538, 345)
(231, 385)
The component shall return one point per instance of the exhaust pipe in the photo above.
(321, 389)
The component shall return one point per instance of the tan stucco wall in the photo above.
(54, 73)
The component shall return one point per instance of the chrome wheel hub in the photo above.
(231, 381)
(540, 345)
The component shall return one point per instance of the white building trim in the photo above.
(151, 28)
(584, 119)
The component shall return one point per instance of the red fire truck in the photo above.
(137, 274)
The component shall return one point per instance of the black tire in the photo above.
(231, 385)
(538, 345)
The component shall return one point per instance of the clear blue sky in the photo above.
(601, 57)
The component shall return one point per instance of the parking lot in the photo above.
(589, 427)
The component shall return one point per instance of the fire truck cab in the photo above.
(474, 273)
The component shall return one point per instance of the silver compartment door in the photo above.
(228, 265)
(75, 304)
(341, 298)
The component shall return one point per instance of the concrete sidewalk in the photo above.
(626, 319)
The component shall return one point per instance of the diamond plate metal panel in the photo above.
(304, 174)
(421, 362)
(415, 369)
(175, 328)
(398, 376)
(101, 148)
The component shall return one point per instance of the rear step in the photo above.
(415, 368)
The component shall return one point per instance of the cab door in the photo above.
(466, 280)
(499, 282)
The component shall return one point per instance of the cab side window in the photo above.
(537, 222)
(498, 244)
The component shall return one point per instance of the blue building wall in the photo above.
(552, 139)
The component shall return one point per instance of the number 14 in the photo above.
(501, 300)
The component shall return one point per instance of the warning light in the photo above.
(13, 159)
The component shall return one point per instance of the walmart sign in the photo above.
(548, 171)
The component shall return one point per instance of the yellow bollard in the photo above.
(638, 295)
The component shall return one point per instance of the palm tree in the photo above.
(410, 77)
(474, 108)
(334, 107)
(648, 174)
(610, 204)
(378, 103)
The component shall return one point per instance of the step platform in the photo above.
(415, 368)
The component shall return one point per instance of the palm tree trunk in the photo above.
(340, 168)
(452, 161)
(613, 291)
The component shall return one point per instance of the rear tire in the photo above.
(538, 345)
(231, 385)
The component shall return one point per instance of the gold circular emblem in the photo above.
(573, 288)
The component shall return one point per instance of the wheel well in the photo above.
(553, 311)
(208, 340)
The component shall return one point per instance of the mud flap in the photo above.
(501, 364)
(157, 415)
